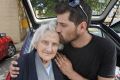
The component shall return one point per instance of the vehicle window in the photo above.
(116, 28)
(95, 31)
(2, 35)
(98, 6)
(44, 8)
(114, 15)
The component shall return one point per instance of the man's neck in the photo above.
(82, 41)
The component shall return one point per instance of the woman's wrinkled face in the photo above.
(47, 45)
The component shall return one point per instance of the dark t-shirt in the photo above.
(96, 58)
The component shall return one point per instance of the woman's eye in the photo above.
(55, 44)
(45, 42)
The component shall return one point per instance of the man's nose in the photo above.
(58, 28)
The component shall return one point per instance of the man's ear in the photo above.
(82, 27)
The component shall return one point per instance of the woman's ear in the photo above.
(35, 46)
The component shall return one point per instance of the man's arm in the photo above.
(14, 70)
(75, 76)
(108, 63)
(66, 67)
(103, 78)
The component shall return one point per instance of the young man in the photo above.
(84, 56)
(90, 57)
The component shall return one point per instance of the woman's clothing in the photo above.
(29, 69)
(42, 72)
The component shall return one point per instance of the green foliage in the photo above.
(97, 6)
(49, 7)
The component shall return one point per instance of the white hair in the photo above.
(50, 26)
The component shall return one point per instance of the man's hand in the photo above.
(14, 70)
(64, 64)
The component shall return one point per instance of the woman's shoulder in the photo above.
(25, 57)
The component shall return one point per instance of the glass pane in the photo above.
(114, 15)
(117, 28)
(45, 8)
(95, 31)
(98, 6)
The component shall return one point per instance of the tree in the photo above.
(97, 6)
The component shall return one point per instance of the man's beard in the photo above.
(63, 41)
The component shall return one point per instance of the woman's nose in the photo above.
(49, 49)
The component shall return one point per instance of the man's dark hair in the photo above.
(76, 13)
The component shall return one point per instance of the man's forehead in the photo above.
(62, 20)
(63, 15)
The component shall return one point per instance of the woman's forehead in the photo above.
(50, 34)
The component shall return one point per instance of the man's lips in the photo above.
(61, 37)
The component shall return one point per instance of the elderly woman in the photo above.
(39, 64)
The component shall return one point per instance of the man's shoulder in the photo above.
(98, 38)
(103, 42)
